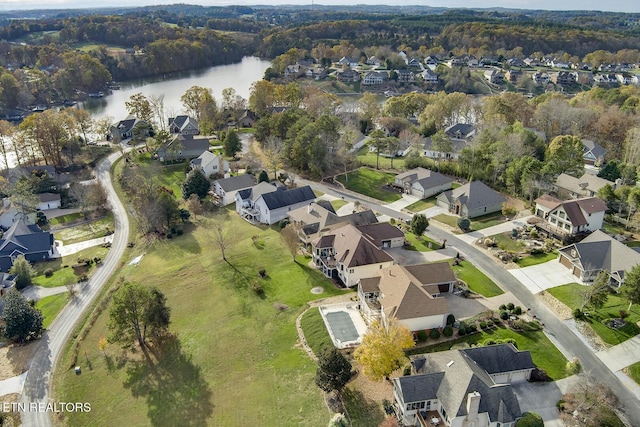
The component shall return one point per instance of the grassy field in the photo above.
(477, 281)
(234, 346)
(315, 331)
(370, 182)
(569, 295)
(337, 204)
(62, 275)
(421, 243)
(369, 159)
(51, 306)
(421, 205)
(545, 355)
(82, 232)
(172, 177)
(486, 221)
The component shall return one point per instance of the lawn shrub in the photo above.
(578, 314)
(472, 327)
(257, 288)
(574, 366)
(502, 307)
(447, 331)
(434, 334)
(538, 376)
(48, 272)
(462, 330)
(504, 315)
(422, 336)
(483, 325)
(451, 319)
(517, 310)
(510, 306)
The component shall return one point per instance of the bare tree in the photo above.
(6, 131)
(290, 236)
(222, 236)
(81, 193)
(157, 106)
(194, 205)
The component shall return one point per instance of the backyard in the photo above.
(86, 231)
(570, 296)
(234, 345)
(477, 281)
(371, 183)
(367, 158)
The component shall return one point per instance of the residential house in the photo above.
(405, 76)
(471, 200)
(348, 75)
(182, 147)
(292, 71)
(560, 64)
(184, 124)
(456, 62)
(461, 131)
(626, 78)
(493, 76)
(516, 62)
(349, 62)
(431, 62)
(350, 253)
(563, 78)
(593, 153)
(567, 219)
(247, 119)
(375, 77)
(422, 183)
(403, 148)
(463, 388)
(487, 61)
(606, 80)
(124, 128)
(429, 76)
(532, 62)
(414, 63)
(596, 253)
(210, 164)
(541, 77)
(319, 218)
(48, 201)
(456, 147)
(410, 294)
(227, 188)
(28, 240)
(269, 207)
(587, 185)
(316, 72)
(372, 60)
(513, 75)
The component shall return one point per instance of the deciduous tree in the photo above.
(596, 294)
(291, 239)
(564, 155)
(23, 271)
(419, 224)
(382, 348)
(631, 286)
(22, 321)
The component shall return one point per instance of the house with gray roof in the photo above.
(267, 204)
(124, 128)
(569, 218)
(349, 253)
(593, 153)
(28, 240)
(185, 125)
(587, 185)
(411, 294)
(463, 131)
(463, 388)
(596, 253)
(227, 188)
(319, 218)
(210, 164)
(422, 183)
(471, 200)
(182, 147)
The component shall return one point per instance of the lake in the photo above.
(239, 76)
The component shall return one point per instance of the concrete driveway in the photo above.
(405, 257)
(621, 355)
(542, 398)
(544, 276)
(406, 200)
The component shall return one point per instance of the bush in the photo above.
(502, 307)
(422, 336)
(504, 315)
(574, 366)
(530, 419)
(483, 325)
(83, 278)
(451, 319)
(48, 272)
(262, 273)
(539, 375)
(462, 330)
(387, 406)
(471, 327)
(510, 306)
(406, 371)
(257, 288)
(434, 334)
(179, 232)
(489, 323)
(578, 314)
(447, 331)
(464, 224)
(517, 310)
(489, 342)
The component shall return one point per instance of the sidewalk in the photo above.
(13, 385)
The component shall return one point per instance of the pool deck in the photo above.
(354, 315)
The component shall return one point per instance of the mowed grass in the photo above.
(65, 218)
(337, 204)
(450, 220)
(87, 231)
(544, 354)
(477, 281)
(237, 363)
(367, 158)
(536, 259)
(51, 306)
(172, 177)
(315, 331)
(62, 275)
(634, 372)
(421, 205)
(570, 296)
(506, 243)
(420, 243)
(370, 183)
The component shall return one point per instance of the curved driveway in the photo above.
(38, 381)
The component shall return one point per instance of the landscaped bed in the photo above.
(570, 296)
(63, 270)
(235, 346)
(371, 183)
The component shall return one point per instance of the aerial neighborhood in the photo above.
(388, 217)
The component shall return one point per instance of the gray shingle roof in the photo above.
(417, 388)
(236, 182)
(596, 149)
(279, 199)
(23, 239)
(474, 195)
(500, 358)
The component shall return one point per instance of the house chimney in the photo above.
(309, 208)
(473, 405)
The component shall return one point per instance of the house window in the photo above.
(351, 270)
(485, 208)
(561, 215)
(553, 220)
(567, 227)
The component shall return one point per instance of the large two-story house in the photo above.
(227, 188)
(412, 294)
(350, 252)
(185, 125)
(28, 240)
(567, 219)
(463, 388)
(267, 203)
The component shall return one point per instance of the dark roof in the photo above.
(416, 388)
(327, 205)
(48, 197)
(462, 129)
(596, 149)
(236, 182)
(500, 358)
(380, 231)
(474, 195)
(279, 199)
(23, 239)
(433, 273)
(574, 209)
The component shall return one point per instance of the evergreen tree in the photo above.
(419, 224)
(232, 144)
(24, 272)
(334, 370)
(22, 321)
(196, 183)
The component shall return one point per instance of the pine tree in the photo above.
(334, 370)
(22, 321)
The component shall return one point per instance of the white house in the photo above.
(210, 164)
(227, 188)
(48, 201)
(567, 218)
(422, 183)
(267, 204)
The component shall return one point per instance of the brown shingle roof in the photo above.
(353, 249)
(548, 201)
(432, 274)
(380, 231)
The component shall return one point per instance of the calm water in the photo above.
(239, 76)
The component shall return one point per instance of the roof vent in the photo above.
(449, 364)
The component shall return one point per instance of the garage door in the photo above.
(566, 261)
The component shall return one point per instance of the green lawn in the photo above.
(369, 159)
(62, 275)
(506, 243)
(172, 177)
(66, 218)
(634, 372)
(477, 281)
(51, 306)
(82, 232)
(486, 221)
(370, 182)
(450, 220)
(536, 259)
(545, 355)
(421, 205)
(337, 204)
(569, 295)
(421, 243)
(234, 346)
(315, 331)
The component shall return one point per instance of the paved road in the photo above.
(562, 336)
(38, 381)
